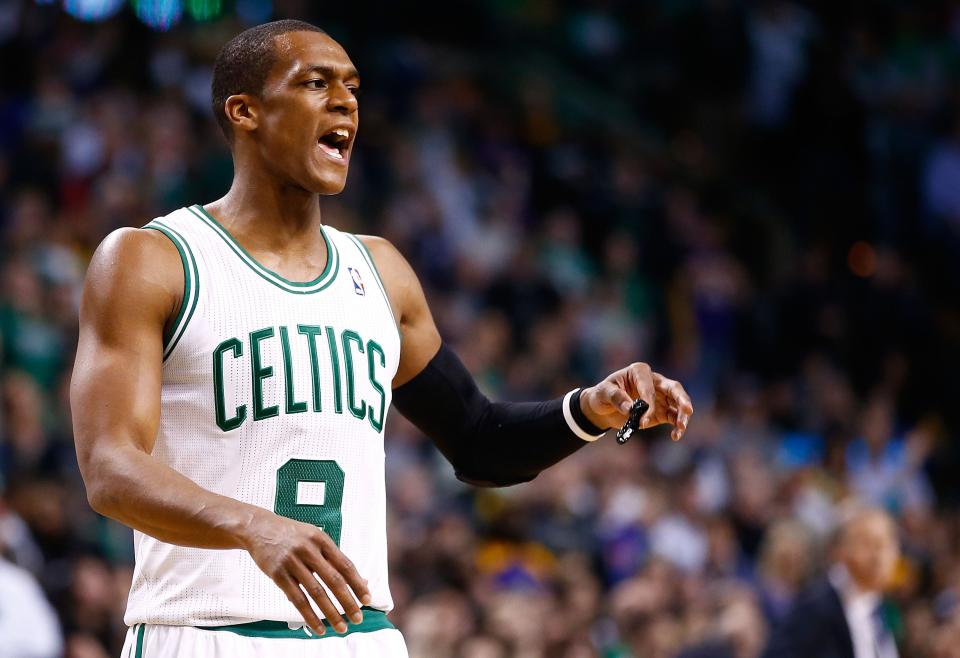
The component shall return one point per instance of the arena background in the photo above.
(762, 199)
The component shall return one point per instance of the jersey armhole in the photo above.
(368, 257)
(191, 287)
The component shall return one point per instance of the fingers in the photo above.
(641, 379)
(345, 567)
(304, 575)
(679, 404)
(683, 405)
(679, 429)
(667, 399)
(296, 596)
(339, 574)
(340, 588)
(316, 562)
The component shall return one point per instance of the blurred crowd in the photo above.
(761, 199)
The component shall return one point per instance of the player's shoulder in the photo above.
(384, 253)
(152, 244)
(376, 242)
(401, 282)
(128, 249)
(392, 265)
(135, 265)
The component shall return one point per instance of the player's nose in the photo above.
(341, 99)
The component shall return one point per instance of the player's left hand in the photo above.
(608, 403)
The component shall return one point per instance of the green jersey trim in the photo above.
(191, 287)
(367, 256)
(373, 620)
(298, 287)
(139, 652)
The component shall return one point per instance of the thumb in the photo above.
(617, 398)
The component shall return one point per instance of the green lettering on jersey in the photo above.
(311, 332)
(292, 406)
(374, 347)
(260, 372)
(335, 364)
(351, 347)
(240, 413)
(349, 337)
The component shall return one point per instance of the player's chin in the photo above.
(328, 182)
(327, 190)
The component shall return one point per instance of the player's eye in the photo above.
(354, 90)
(320, 83)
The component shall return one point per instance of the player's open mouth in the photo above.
(335, 143)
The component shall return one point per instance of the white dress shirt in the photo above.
(28, 624)
(869, 638)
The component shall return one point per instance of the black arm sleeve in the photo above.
(492, 444)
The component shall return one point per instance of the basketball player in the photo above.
(234, 372)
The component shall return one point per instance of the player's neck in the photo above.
(271, 216)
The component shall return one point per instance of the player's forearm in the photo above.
(489, 443)
(132, 487)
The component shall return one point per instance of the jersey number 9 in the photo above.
(298, 479)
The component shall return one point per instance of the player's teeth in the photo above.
(331, 151)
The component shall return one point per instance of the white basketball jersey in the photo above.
(275, 393)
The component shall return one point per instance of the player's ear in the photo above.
(242, 111)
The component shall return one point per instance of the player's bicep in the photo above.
(115, 390)
(419, 334)
(421, 340)
(112, 394)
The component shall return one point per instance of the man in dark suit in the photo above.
(840, 616)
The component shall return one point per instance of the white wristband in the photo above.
(572, 424)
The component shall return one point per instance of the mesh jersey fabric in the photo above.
(275, 393)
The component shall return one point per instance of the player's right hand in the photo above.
(294, 554)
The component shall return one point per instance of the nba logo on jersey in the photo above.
(357, 282)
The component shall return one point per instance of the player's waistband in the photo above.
(373, 620)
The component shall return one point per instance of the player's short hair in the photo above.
(242, 65)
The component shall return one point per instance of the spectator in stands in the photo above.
(843, 615)
(28, 623)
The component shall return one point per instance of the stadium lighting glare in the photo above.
(159, 15)
(92, 10)
(204, 10)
